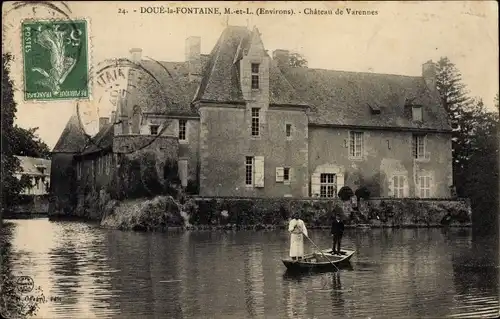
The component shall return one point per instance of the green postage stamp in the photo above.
(56, 60)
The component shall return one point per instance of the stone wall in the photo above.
(316, 212)
(385, 155)
(225, 142)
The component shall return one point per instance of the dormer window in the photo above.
(374, 108)
(255, 76)
(416, 112)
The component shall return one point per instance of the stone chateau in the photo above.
(240, 122)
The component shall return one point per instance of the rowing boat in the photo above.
(319, 260)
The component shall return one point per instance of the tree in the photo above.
(297, 60)
(454, 99)
(15, 141)
(474, 143)
(11, 185)
(27, 143)
(479, 176)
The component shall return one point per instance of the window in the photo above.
(255, 68)
(286, 174)
(254, 171)
(182, 130)
(108, 163)
(425, 186)
(249, 171)
(153, 129)
(356, 144)
(418, 146)
(416, 111)
(255, 121)
(328, 185)
(398, 186)
(288, 130)
(283, 174)
(255, 75)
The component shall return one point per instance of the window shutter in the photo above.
(392, 185)
(280, 174)
(183, 171)
(315, 184)
(340, 181)
(406, 189)
(259, 171)
(427, 155)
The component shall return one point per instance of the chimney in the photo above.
(193, 57)
(429, 74)
(103, 121)
(282, 58)
(136, 55)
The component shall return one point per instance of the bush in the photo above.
(138, 178)
(345, 193)
(363, 192)
(193, 187)
(171, 178)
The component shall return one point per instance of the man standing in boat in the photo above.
(298, 230)
(337, 232)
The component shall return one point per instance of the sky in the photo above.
(397, 40)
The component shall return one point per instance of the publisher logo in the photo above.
(24, 284)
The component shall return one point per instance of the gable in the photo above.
(221, 79)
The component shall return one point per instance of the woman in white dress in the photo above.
(298, 230)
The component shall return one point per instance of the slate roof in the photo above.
(162, 87)
(334, 97)
(103, 140)
(29, 166)
(346, 98)
(220, 81)
(72, 139)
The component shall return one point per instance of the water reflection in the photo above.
(394, 273)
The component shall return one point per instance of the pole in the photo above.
(321, 252)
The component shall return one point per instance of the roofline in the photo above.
(31, 174)
(173, 115)
(360, 72)
(289, 106)
(195, 103)
(383, 128)
(101, 150)
(65, 152)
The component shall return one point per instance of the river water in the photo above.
(84, 271)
